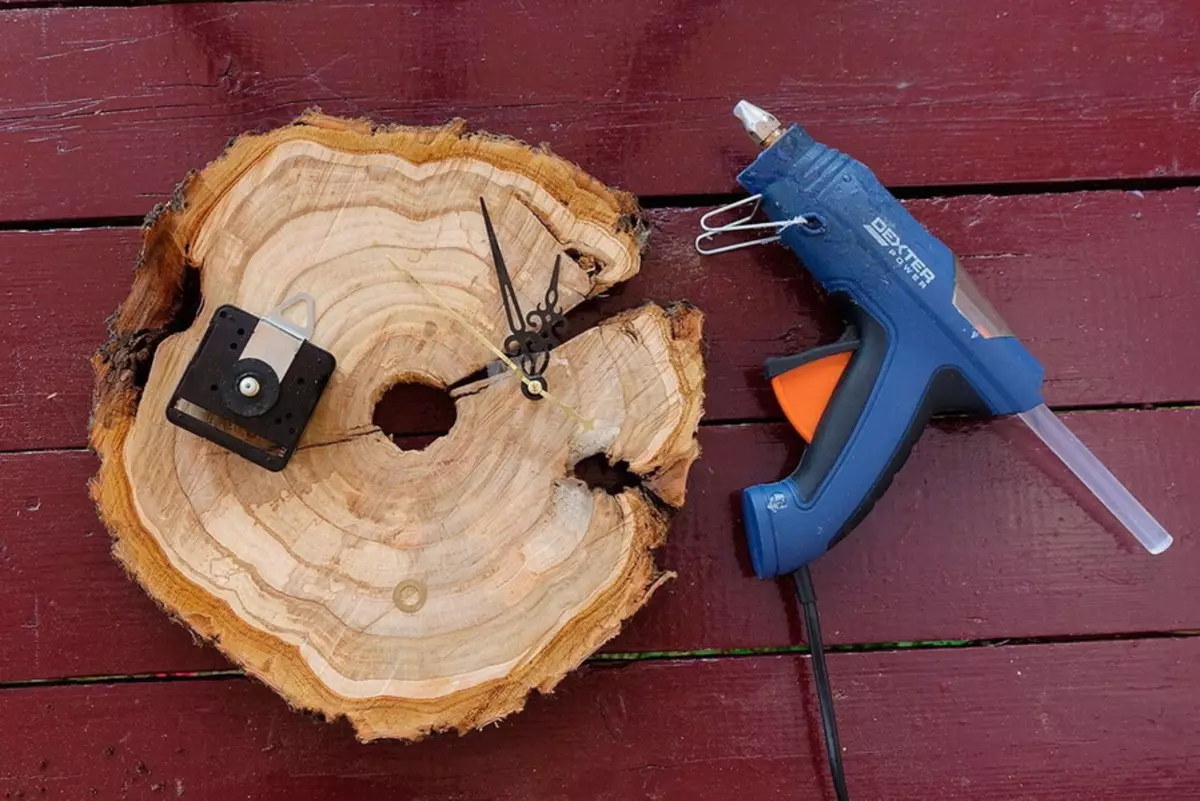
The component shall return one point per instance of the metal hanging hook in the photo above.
(301, 331)
(742, 223)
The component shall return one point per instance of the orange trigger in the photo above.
(803, 392)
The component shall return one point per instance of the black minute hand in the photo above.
(530, 347)
(508, 293)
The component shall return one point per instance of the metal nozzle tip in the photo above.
(761, 125)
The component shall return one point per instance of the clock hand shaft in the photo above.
(534, 386)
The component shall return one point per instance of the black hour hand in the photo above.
(547, 320)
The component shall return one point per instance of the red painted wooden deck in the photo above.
(1054, 144)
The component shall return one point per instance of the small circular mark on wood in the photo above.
(409, 595)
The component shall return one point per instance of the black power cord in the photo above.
(812, 625)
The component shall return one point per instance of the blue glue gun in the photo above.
(919, 340)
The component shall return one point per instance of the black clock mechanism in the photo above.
(261, 378)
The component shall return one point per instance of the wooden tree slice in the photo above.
(408, 590)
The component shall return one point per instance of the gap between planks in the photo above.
(735, 422)
(25, 5)
(683, 202)
(945, 191)
(618, 659)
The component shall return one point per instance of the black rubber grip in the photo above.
(945, 389)
(846, 405)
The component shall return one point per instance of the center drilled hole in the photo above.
(414, 415)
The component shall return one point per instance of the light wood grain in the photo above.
(409, 590)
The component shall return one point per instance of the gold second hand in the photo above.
(535, 387)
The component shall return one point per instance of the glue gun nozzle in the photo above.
(762, 126)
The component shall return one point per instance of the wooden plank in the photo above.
(60, 582)
(1096, 721)
(983, 535)
(1094, 282)
(973, 541)
(58, 288)
(108, 108)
